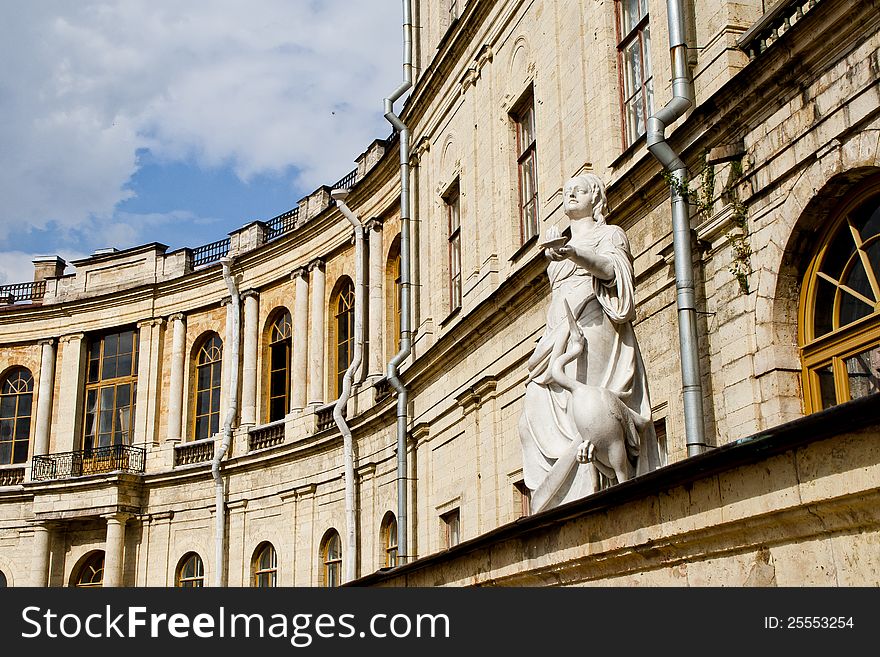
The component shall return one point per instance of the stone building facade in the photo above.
(115, 379)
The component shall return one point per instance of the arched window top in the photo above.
(265, 565)
(190, 572)
(91, 571)
(281, 328)
(17, 380)
(211, 350)
(389, 539)
(840, 305)
(331, 555)
(3, 582)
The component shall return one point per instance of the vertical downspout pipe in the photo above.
(682, 100)
(226, 431)
(405, 291)
(350, 550)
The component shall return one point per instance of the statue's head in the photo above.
(584, 196)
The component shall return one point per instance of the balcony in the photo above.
(22, 293)
(773, 25)
(198, 451)
(11, 476)
(268, 435)
(112, 458)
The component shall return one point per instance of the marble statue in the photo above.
(586, 407)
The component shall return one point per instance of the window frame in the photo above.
(331, 567)
(452, 214)
(278, 339)
(394, 291)
(389, 541)
(270, 572)
(195, 581)
(17, 419)
(840, 343)
(101, 383)
(90, 561)
(646, 85)
(203, 345)
(344, 295)
(523, 117)
(451, 527)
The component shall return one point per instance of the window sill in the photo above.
(452, 315)
(527, 245)
(629, 151)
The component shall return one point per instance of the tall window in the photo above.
(344, 313)
(111, 386)
(634, 68)
(265, 566)
(840, 306)
(331, 554)
(453, 225)
(16, 399)
(528, 169)
(190, 572)
(209, 361)
(393, 291)
(389, 539)
(279, 367)
(91, 572)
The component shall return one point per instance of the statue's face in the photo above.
(577, 198)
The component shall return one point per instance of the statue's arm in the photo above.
(598, 265)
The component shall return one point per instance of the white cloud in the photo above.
(259, 86)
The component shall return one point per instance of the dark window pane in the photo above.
(21, 452)
(123, 395)
(93, 371)
(126, 342)
(203, 403)
(826, 386)
(111, 344)
(279, 356)
(108, 368)
(7, 406)
(852, 309)
(863, 371)
(215, 423)
(216, 373)
(6, 429)
(202, 428)
(824, 307)
(203, 378)
(106, 422)
(23, 429)
(107, 399)
(215, 400)
(277, 409)
(123, 365)
(25, 402)
(278, 383)
(5, 453)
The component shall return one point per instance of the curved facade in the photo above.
(129, 364)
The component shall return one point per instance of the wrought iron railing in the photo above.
(11, 476)
(111, 458)
(324, 417)
(195, 452)
(210, 253)
(347, 181)
(17, 292)
(283, 223)
(268, 435)
(773, 25)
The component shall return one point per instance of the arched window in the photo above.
(3, 583)
(389, 539)
(265, 566)
(279, 366)
(111, 383)
(331, 555)
(344, 331)
(209, 361)
(91, 572)
(840, 306)
(16, 400)
(190, 572)
(393, 287)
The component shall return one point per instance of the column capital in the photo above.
(225, 301)
(250, 293)
(317, 263)
(300, 272)
(70, 337)
(374, 223)
(119, 516)
(177, 317)
(152, 321)
(47, 342)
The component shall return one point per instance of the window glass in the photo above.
(16, 404)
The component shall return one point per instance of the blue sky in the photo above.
(124, 122)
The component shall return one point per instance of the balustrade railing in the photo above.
(97, 460)
(198, 451)
(773, 25)
(268, 435)
(210, 253)
(11, 476)
(19, 292)
(324, 417)
(347, 181)
(283, 223)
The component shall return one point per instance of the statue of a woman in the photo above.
(586, 372)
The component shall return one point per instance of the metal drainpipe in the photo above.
(405, 292)
(219, 492)
(682, 99)
(347, 444)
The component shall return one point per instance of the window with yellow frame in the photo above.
(840, 305)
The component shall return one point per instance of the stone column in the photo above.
(114, 549)
(316, 335)
(300, 371)
(68, 416)
(375, 319)
(147, 381)
(40, 556)
(175, 385)
(251, 332)
(226, 367)
(45, 391)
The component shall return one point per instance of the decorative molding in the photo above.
(473, 396)
(374, 223)
(317, 263)
(250, 293)
(70, 337)
(47, 341)
(152, 321)
(300, 272)
(177, 317)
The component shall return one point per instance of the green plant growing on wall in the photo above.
(702, 197)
